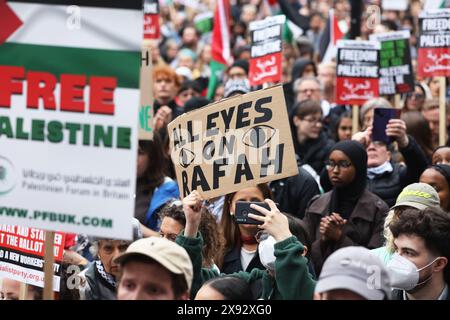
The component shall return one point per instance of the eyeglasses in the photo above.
(313, 121)
(415, 95)
(344, 164)
(261, 236)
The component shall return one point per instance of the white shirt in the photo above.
(246, 257)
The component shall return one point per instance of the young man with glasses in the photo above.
(310, 88)
(312, 144)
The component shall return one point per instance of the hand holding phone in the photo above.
(396, 129)
(243, 209)
(380, 121)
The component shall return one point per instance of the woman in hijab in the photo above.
(438, 176)
(349, 214)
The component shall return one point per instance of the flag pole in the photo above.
(442, 112)
(355, 119)
(49, 260)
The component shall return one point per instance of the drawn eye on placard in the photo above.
(186, 157)
(258, 136)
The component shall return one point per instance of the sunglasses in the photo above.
(416, 96)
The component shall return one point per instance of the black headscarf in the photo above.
(344, 199)
(443, 169)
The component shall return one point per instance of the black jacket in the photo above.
(389, 185)
(94, 287)
(398, 295)
(232, 262)
(176, 110)
(294, 193)
(364, 226)
(314, 152)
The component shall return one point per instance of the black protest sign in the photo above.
(434, 43)
(22, 255)
(357, 71)
(233, 144)
(265, 62)
(395, 62)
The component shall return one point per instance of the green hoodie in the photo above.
(292, 279)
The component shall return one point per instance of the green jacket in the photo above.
(292, 279)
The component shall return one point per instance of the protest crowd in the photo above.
(363, 217)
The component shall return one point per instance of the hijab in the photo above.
(345, 198)
(443, 169)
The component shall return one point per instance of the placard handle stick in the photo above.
(49, 260)
(146, 111)
(397, 101)
(23, 291)
(442, 112)
(355, 119)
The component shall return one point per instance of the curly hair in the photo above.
(213, 240)
(432, 225)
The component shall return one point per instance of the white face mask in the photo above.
(266, 253)
(404, 274)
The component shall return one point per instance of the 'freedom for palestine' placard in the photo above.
(357, 71)
(395, 62)
(434, 43)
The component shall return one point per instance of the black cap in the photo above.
(241, 64)
(195, 103)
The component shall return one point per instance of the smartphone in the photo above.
(243, 209)
(380, 120)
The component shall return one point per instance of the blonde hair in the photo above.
(392, 217)
(389, 238)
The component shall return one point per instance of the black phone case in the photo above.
(380, 121)
(243, 209)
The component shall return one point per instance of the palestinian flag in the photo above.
(221, 51)
(97, 38)
(83, 55)
(204, 21)
(333, 32)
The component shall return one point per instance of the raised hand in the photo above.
(275, 223)
(192, 205)
(396, 128)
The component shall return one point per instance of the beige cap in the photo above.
(418, 195)
(167, 253)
